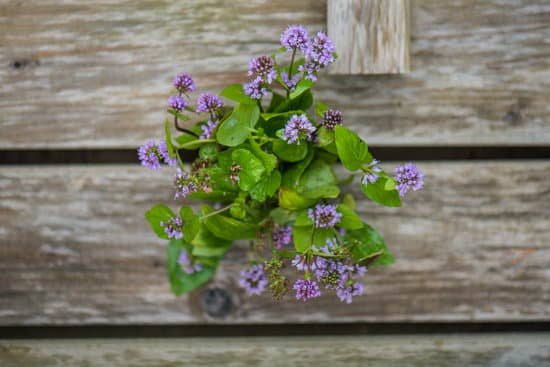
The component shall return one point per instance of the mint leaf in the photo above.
(352, 151)
(252, 168)
(350, 219)
(377, 192)
(157, 214)
(235, 93)
(228, 228)
(180, 281)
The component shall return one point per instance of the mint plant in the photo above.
(265, 173)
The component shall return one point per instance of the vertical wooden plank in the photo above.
(371, 36)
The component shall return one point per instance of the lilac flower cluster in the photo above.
(253, 280)
(185, 184)
(408, 177)
(330, 272)
(173, 227)
(152, 155)
(319, 54)
(324, 215)
(177, 103)
(331, 118)
(262, 71)
(188, 266)
(371, 173)
(208, 129)
(255, 88)
(282, 236)
(295, 37)
(290, 83)
(184, 83)
(208, 102)
(298, 128)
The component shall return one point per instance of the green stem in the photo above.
(290, 71)
(216, 212)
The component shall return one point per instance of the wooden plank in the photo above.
(480, 350)
(75, 249)
(80, 74)
(372, 36)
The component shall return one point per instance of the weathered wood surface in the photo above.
(81, 74)
(372, 36)
(485, 350)
(75, 249)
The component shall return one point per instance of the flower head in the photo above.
(408, 177)
(263, 67)
(163, 149)
(282, 236)
(184, 83)
(208, 129)
(208, 102)
(187, 264)
(295, 37)
(298, 128)
(306, 289)
(172, 227)
(324, 215)
(184, 184)
(253, 280)
(371, 173)
(331, 118)
(345, 293)
(255, 89)
(151, 155)
(319, 54)
(177, 103)
(288, 82)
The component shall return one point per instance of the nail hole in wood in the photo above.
(24, 63)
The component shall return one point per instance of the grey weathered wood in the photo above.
(372, 36)
(75, 249)
(98, 74)
(483, 350)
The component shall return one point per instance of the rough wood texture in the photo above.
(75, 249)
(81, 74)
(492, 350)
(372, 36)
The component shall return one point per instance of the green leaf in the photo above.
(350, 219)
(205, 238)
(349, 200)
(282, 216)
(276, 100)
(320, 108)
(231, 132)
(318, 181)
(284, 115)
(247, 114)
(364, 243)
(180, 281)
(385, 259)
(302, 219)
(211, 251)
(290, 152)
(325, 136)
(321, 235)
(302, 237)
(216, 195)
(194, 144)
(235, 93)
(190, 222)
(291, 200)
(168, 138)
(266, 187)
(252, 169)
(208, 151)
(377, 192)
(269, 160)
(303, 102)
(353, 151)
(157, 214)
(302, 86)
(228, 228)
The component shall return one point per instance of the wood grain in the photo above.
(483, 350)
(91, 75)
(371, 36)
(75, 249)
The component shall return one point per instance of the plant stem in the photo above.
(290, 71)
(216, 212)
(184, 130)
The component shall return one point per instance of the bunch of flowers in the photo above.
(264, 173)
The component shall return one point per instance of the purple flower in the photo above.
(301, 263)
(298, 128)
(177, 103)
(254, 89)
(187, 265)
(208, 102)
(253, 280)
(408, 177)
(331, 118)
(163, 149)
(306, 289)
(208, 129)
(319, 55)
(172, 227)
(324, 215)
(263, 67)
(150, 155)
(282, 236)
(371, 175)
(184, 184)
(184, 83)
(346, 292)
(290, 83)
(295, 37)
